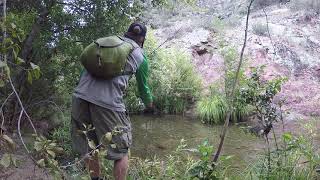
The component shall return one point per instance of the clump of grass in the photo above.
(260, 29)
(212, 110)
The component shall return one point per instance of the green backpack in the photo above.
(106, 57)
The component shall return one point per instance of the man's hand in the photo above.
(151, 109)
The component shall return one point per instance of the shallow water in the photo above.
(159, 136)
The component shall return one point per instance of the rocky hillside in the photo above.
(292, 50)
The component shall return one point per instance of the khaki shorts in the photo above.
(103, 120)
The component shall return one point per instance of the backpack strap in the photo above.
(134, 47)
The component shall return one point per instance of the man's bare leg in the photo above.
(120, 168)
(92, 164)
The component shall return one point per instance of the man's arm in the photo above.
(142, 75)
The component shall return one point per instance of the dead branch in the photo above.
(226, 124)
(1, 111)
(269, 34)
(21, 105)
(19, 132)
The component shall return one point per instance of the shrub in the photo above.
(295, 158)
(173, 80)
(260, 29)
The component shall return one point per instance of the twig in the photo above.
(167, 40)
(21, 105)
(226, 124)
(269, 34)
(80, 160)
(22, 141)
(269, 156)
(19, 132)
(2, 123)
(43, 102)
(1, 111)
(5, 101)
(4, 29)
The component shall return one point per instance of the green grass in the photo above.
(173, 80)
(62, 134)
(212, 110)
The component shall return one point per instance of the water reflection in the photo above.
(161, 135)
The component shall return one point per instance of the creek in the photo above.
(160, 136)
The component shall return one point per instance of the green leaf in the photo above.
(58, 150)
(29, 77)
(13, 160)
(2, 84)
(91, 144)
(15, 55)
(34, 66)
(19, 61)
(51, 153)
(106, 139)
(36, 72)
(41, 163)
(109, 136)
(287, 136)
(5, 160)
(7, 70)
(2, 64)
(113, 146)
(38, 146)
(9, 141)
(13, 26)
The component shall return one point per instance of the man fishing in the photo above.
(98, 101)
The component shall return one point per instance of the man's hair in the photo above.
(135, 31)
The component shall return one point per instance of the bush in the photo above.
(260, 29)
(295, 158)
(173, 80)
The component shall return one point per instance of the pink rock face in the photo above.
(302, 95)
(210, 67)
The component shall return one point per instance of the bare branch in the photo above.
(21, 105)
(269, 34)
(70, 164)
(226, 124)
(1, 111)
(19, 132)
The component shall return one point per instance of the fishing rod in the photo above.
(167, 40)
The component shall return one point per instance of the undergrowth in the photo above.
(294, 158)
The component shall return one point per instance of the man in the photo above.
(99, 102)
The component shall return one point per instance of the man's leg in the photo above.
(92, 164)
(106, 120)
(120, 168)
(80, 116)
